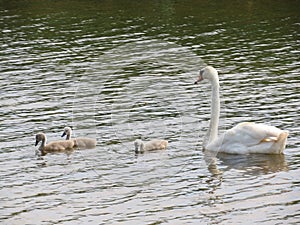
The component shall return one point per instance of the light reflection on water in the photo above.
(136, 81)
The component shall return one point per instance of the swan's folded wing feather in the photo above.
(252, 133)
(249, 138)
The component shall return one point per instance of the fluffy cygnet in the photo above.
(54, 146)
(156, 144)
(79, 142)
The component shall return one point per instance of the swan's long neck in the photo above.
(215, 111)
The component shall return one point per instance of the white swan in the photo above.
(156, 144)
(245, 137)
(80, 142)
(54, 146)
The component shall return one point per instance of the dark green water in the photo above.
(121, 70)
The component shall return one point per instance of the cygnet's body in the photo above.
(54, 146)
(80, 142)
(156, 144)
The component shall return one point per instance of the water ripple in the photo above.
(118, 79)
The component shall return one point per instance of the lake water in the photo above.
(121, 70)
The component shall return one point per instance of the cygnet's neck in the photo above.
(69, 134)
(141, 147)
(43, 144)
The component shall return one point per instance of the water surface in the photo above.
(121, 70)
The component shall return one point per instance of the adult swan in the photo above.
(244, 138)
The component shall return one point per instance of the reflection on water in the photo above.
(248, 164)
(121, 70)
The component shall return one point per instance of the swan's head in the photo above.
(207, 73)
(67, 131)
(39, 137)
(139, 146)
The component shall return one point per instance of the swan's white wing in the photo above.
(252, 133)
(244, 136)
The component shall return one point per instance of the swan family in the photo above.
(244, 138)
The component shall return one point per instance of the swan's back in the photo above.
(248, 138)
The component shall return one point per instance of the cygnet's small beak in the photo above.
(200, 78)
(64, 133)
(36, 143)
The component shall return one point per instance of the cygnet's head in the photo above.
(139, 146)
(208, 73)
(39, 137)
(67, 131)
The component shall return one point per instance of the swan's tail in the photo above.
(281, 141)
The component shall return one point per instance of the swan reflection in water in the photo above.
(248, 164)
(251, 165)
